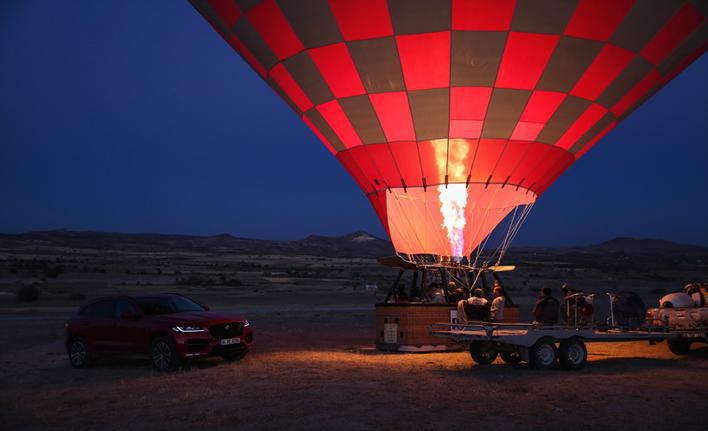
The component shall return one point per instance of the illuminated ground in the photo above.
(305, 373)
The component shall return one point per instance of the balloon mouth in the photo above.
(451, 221)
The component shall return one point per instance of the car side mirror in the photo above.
(206, 307)
(129, 315)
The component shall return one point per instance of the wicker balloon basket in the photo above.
(404, 327)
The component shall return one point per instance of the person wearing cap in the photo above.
(545, 311)
(496, 312)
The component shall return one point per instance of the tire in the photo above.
(543, 354)
(79, 353)
(234, 357)
(510, 357)
(163, 354)
(483, 353)
(679, 347)
(572, 354)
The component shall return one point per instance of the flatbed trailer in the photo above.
(536, 344)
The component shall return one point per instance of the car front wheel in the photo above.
(164, 354)
(79, 355)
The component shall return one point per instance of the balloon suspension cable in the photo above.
(483, 258)
(515, 230)
(516, 220)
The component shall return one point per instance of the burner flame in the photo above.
(450, 160)
(453, 200)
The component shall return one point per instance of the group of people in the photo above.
(477, 307)
(434, 294)
(473, 306)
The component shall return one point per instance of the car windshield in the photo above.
(168, 305)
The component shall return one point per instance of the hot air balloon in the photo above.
(453, 115)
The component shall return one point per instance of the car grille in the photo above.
(227, 330)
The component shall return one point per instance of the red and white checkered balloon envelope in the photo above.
(453, 115)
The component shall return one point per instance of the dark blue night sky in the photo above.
(135, 116)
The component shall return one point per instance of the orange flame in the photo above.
(453, 197)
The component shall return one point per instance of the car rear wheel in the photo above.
(679, 347)
(573, 354)
(164, 354)
(232, 357)
(79, 354)
(483, 352)
(543, 354)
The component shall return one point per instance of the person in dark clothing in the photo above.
(477, 307)
(545, 312)
(577, 307)
(398, 294)
(455, 293)
(694, 291)
(629, 309)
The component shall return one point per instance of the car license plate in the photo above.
(229, 341)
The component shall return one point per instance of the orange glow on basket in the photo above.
(451, 223)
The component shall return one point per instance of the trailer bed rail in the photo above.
(528, 340)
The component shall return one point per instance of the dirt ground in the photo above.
(308, 371)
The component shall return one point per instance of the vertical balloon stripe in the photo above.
(486, 15)
(271, 24)
(597, 19)
(362, 19)
(524, 59)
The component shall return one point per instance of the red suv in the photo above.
(169, 328)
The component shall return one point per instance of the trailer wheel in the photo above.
(572, 354)
(483, 352)
(510, 357)
(679, 347)
(543, 354)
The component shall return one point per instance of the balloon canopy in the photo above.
(452, 114)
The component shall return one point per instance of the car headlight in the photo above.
(188, 328)
(246, 323)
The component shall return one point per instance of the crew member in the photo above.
(545, 311)
(477, 307)
(397, 295)
(456, 293)
(577, 307)
(496, 312)
(694, 291)
(437, 296)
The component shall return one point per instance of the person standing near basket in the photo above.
(496, 312)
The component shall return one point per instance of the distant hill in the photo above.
(645, 246)
(357, 244)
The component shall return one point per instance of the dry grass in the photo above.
(305, 374)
